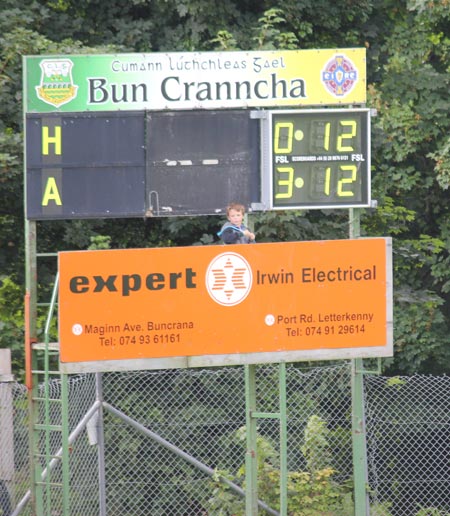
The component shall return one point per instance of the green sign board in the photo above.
(194, 80)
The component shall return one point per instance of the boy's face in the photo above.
(235, 217)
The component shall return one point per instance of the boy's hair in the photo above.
(235, 206)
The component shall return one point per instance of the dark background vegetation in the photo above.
(408, 67)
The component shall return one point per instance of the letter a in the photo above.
(51, 193)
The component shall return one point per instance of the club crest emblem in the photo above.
(56, 87)
(339, 76)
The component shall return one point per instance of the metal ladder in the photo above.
(49, 439)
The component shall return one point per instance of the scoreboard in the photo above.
(82, 165)
(171, 163)
(317, 159)
(140, 163)
(186, 133)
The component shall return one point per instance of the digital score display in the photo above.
(318, 159)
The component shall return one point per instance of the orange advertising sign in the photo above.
(217, 305)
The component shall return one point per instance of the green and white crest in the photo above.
(56, 87)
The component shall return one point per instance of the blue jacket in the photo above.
(231, 234)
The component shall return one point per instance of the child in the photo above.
(234, 231)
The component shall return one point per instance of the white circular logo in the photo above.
(77, 329)
(269, 320)
(229, 279)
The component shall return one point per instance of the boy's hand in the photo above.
(249, 234)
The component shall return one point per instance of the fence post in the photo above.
(251, 459)
(101, 446)
(283, 440)
(6, 431)
(359, 440)
(65, 445)
(358, 421)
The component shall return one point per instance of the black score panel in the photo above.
(199, 161)
(319, 159)
(86, 165)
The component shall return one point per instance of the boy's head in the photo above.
(235, 213)
(237, 207)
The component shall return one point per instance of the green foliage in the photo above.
(441, 157)
(388, 219)
(270, 36)
(395, 381)
(11, 322)
(318, 495)
(408, 50)
(224, 41)
(12, 334)
(100, 242)
(310, 493)
(411, 170)
(420, 336)
(293, 225)
(316, 448)
(381, 509)
(281, 226)
(384, 509)
(431, 511)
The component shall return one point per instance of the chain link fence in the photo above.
(160, 440)
(408, 443)
(14, 456)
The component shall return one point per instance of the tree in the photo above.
(408, 84)
(411, 156)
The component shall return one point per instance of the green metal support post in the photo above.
(359, 440)
(283, 440)
(251, 459)
(32, 383)
(358, 420)
(38, 370)
(65, 444)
